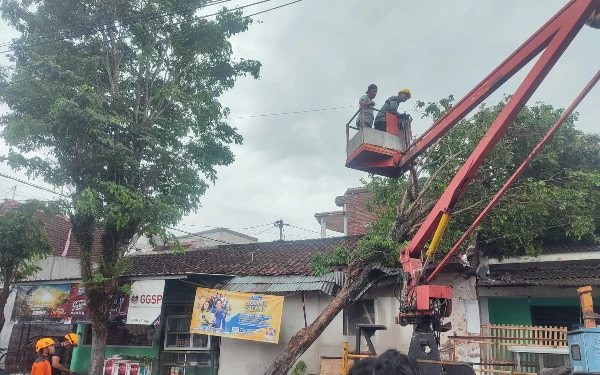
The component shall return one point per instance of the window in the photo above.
(178, 336)
(120, 334)
(575, 353)
(360, 312)
(557, 316)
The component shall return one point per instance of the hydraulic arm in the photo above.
(423, 304)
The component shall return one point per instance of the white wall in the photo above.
(249, 358)
(8, 324)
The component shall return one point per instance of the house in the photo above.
(274, 268)
(207, 238)
(354, 219)
(542, 291)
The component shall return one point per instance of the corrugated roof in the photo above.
(328, 284)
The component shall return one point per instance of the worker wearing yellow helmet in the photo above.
(45, 348)
(391, 106)
(66, 344)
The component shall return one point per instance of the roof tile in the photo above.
(265, 258)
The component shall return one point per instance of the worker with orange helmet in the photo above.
(45, 348)
(67, 343)
(391, 106)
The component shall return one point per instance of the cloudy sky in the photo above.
(320, 54)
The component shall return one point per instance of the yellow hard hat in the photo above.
(406, 91)
(43, 343)
(72, 339)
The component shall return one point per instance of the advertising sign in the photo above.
(119, 307)
(42, 303)
(77, 311)
(244, 316)
(145, 302)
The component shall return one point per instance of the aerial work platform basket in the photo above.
(378, 152)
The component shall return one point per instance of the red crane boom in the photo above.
(423, 304)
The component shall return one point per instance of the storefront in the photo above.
(167, 343)
(164, 327)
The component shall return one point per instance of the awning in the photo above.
(328, 284)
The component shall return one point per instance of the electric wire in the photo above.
(103, 27)
(174, 36)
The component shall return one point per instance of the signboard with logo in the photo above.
(245, 316)
(77, 310)
(119, 307)
(145, 302)
(42, 303)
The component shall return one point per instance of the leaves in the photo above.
(23, 240)
(556, 199)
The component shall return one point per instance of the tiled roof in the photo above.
(59, 236)
(569, 248)
(258, 259)
(570, 275)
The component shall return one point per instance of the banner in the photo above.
(119, 307)
(244, 316)
(77, 311)
(145, 302)
(42, 303)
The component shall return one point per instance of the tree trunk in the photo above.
(99, 334)
(306, 336)
(4, 294)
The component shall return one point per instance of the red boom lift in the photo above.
(424, 305)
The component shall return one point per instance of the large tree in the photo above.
(557, 199)
(23, 243)
(118, 102)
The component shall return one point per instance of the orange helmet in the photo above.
(72, 339)
(43, 343)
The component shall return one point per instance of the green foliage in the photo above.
(23, 241)
(129, 112)
(126, 115)
(299, 368)
(556, 199)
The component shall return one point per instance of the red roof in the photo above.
(59, 233)
(266, 258)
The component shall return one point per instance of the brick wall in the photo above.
(359, 218)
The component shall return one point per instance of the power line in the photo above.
(147, 31)
(304, 229)
(103, 27)
(33, 185)
(290, 113)
(266, 230)
(222, 227)
(196, 235)
(172, 37)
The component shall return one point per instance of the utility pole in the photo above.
(14, 192)
(280, 224)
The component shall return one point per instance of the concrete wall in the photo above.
(247, 357)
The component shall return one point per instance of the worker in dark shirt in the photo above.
(44, 348)
(69, 342)
(391, 106)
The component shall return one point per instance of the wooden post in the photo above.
(345, 359)
(587, 306)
